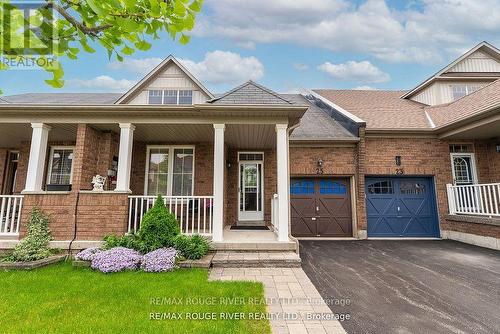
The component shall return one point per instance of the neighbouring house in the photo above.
(423, 163)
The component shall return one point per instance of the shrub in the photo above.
(192, 247)
(116, 259)
(127, 241)
(35, 245)
(162, 259)
(88, 254)
(158, 229)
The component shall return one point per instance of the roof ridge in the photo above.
(246, 83)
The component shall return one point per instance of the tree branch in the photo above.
(92, 31)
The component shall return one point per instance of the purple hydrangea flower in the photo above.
(116, 259)
(162, 259)
(87, 254)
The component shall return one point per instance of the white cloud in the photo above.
(218, 67)
(365, 87)
(141, 66)
(102, 82)
(427, 33)
(354, 71)
(300, 67)
(223, 67)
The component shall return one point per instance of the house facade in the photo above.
(423, 163)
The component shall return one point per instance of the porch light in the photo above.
(498, 148)
(398, 160)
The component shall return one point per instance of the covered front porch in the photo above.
(213, 171)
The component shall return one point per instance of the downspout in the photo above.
(75, 223)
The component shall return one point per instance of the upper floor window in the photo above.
(462, 90)
(172, 97)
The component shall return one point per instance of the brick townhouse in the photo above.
(270, 167)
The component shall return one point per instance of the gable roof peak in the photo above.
(154, 72)
(259, 95)
(484, 45)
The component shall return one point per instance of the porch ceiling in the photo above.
(12, 135)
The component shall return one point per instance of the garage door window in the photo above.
(302, 187)
(383, 187)
(412, 188)
(333, 188)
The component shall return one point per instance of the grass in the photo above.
(61, 299)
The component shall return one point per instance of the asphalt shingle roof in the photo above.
(316, 124)
(63, 98)
(250, 93)
(380, 109)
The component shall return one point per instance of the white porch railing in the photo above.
(274, 213)
(194, 213)
(10, 214)
(474, 199)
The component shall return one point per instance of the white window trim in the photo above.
(49, 168)
(170, 177)
(175, 89)
(473, 165)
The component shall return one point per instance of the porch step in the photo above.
(250, 223)
(224, 259)
(257, 246)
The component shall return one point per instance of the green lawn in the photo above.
(60, 299)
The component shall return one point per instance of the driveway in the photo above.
(407, 286)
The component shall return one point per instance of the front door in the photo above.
(250, 197)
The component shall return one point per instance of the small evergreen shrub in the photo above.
(192, 247)
(35, 245)
(160, 260)
(158, 229)
(127, 241)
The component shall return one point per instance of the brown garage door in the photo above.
(321, 207)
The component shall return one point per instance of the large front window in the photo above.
(170, 171)
(60, 169)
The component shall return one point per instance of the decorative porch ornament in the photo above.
(98, 182)
(319, 166)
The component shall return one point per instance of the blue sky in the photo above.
(289, 45)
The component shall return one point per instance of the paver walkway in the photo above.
(293, 302)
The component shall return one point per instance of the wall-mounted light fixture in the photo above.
(398, 160)
(319, 166)
(498, 148)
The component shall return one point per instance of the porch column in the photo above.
(125, 157)
(38, 152)
(218, 205)
(283, 181)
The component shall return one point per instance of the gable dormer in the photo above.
(169, 83)
(467, 74)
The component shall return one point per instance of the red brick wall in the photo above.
(336, 160)
(494, 161)
(101, 214)
(471, 228)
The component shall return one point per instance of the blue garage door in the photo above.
(401, 207)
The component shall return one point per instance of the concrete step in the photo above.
(257, 246)
(251, 223)
(256, 260)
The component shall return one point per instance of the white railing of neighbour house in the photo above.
(474, 199)
(274, 213)
(10, 214)
(194, 213)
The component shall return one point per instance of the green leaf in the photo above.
(184, 39)
(143, 45)
(155, 8)
(128, 50)
(96, 8)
